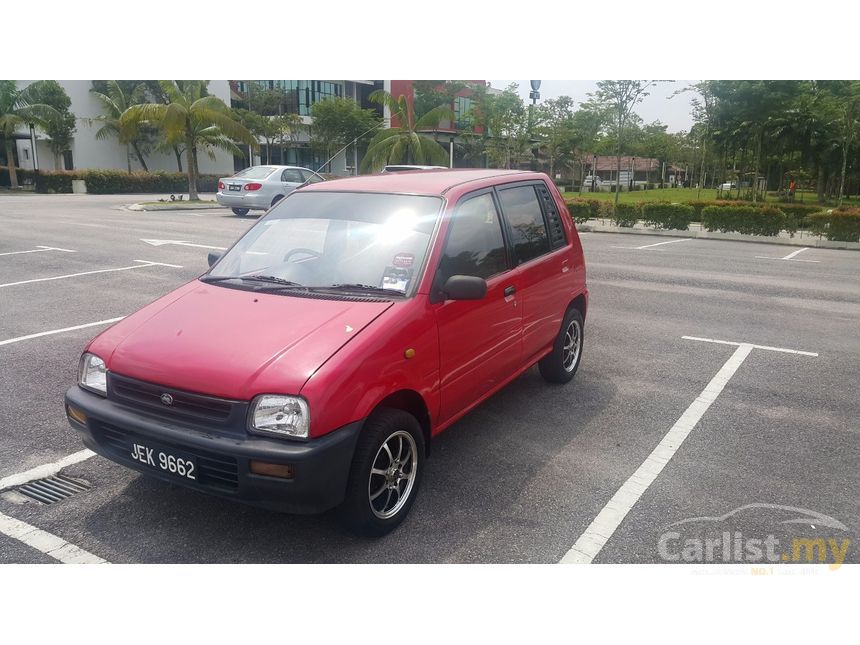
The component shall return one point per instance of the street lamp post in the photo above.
(33, 147)
(451, 152)
(632, 174)
(593, 171)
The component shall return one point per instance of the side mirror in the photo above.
(465, 287)
(214, 256)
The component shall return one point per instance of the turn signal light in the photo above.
(76, 414)
(253, 186)
(271, 470)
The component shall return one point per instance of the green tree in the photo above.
(194, 119)
(62, 128)
(506, 121)
(18, 108)
(620, 99)
(430, 94)
(339, 122)
(406, 143)
(115, 101)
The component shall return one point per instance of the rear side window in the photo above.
(528, 230)
(293, 176)
(557, 238)
(311, 177)
(475, 245)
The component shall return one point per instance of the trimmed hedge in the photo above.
(840, 225)
(624, 214)
(581, 210)
(110, 182)
(744, 219)
(667, 216)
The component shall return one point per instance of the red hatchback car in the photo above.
(314, 362)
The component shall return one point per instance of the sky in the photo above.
(674, 112)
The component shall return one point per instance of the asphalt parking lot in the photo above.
(522, 478)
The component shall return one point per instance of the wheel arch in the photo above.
(412, 402)
(580, 303)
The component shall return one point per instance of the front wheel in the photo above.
(385, 474)
(560, 365)
(241, 212)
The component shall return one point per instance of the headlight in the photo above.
(286, 416)
(93, 374)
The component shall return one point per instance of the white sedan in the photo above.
(261, 187)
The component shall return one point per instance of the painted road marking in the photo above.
(790, 256)
(47, 543)
(765, 347)
(40, 249)
(45, 470)
(181, 243)
(9, 341)
(649, 246)
(589, 544)
(143, 264)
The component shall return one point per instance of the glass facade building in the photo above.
(299, 96)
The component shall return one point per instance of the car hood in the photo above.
(232, 343)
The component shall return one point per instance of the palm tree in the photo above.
(406, 143)
(18, 110)
(191, 118)
(115, 102)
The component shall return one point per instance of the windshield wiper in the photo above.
(256, 278)
(355, 286)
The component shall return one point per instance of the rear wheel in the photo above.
(241, 212)
(385, 473)
(561, 364)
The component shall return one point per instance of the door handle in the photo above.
(510, 290)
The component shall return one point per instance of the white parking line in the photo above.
(45, 470)
(790, 256)
(47, 543)
(9, 341)
(589, 544)
(648, 246)
(144, 263)
(39, 249)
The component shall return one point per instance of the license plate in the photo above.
(165, 459)
(235, 187)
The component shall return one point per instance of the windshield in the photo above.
(255, 172)
(329, 240)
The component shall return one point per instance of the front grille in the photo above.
(184, 405)
(214, 470)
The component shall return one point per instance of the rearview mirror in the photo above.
(214, 256)
(465, 287)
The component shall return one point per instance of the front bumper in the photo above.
(243, 200)
(321, 466)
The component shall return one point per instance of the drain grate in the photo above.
(52, 489)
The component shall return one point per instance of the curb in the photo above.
(810, 242)
(171, 207)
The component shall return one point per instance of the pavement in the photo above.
(771, 446)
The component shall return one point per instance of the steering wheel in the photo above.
(293, 252)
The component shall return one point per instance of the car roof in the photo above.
(422, 182)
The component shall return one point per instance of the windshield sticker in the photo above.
(404, 260)
(396, 278)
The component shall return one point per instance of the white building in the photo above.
(88, 152)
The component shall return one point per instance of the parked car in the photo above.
(729, 185)
(381, 311)
(261, 187)
(407, 168)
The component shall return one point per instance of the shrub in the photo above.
(110, 182)
(840, 225)
(668, 216)
(743, 219)
(624, 214)
(583, 209)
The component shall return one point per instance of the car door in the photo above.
(291, 178)
(538, 244)
(479, 340)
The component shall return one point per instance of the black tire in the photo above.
(275, 200)
(359, 513)
(556, 366)
(241, 212)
